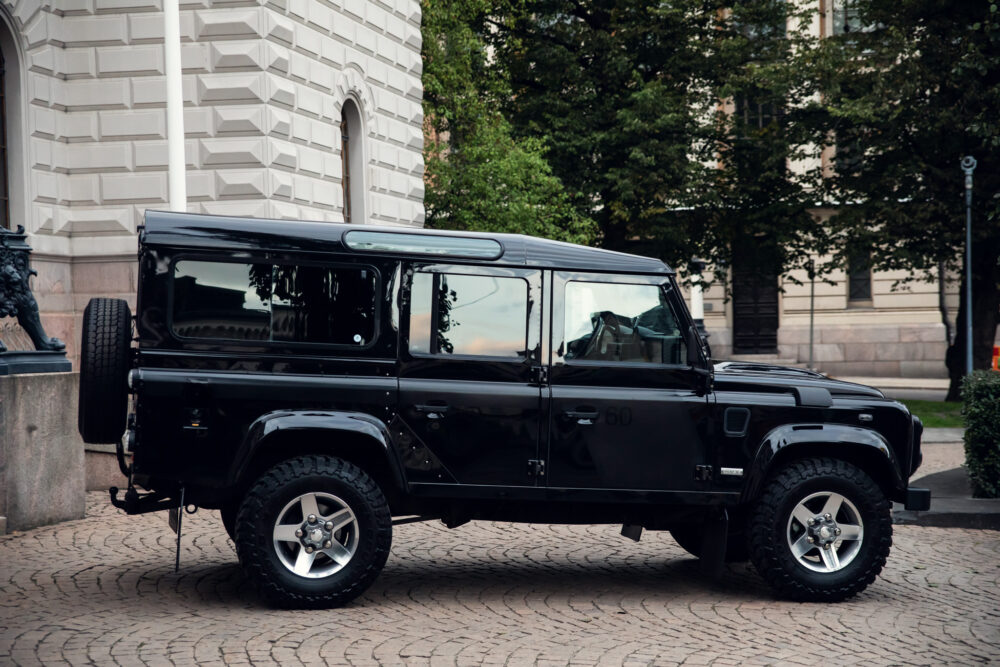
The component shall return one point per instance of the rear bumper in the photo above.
(918, 500)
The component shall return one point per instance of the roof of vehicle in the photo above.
(189, 230)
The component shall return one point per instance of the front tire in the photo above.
(313, 532)
(821, 531)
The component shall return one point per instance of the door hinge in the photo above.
(536, 468)
(703, 473)
(541, 375)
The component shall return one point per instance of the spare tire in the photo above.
(104, 366)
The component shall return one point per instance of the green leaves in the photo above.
(981, 409)
(479, 175)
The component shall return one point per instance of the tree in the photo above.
(903, 99)
(633, 100)
(478, 176)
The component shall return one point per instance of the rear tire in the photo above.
(104, 365)
(821, 531)
(328, 501)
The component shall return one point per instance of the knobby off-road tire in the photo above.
(803, 489)
(104, 364)
(737, 550)
(278, 503)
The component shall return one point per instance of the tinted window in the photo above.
(470, 315)
(305, 304)
(621, 323)
(423, 244)
(221, 300)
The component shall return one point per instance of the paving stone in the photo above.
(103, 590)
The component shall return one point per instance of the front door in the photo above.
(755, 302)
(469, 379)
(625, 413)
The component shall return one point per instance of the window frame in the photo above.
(406, 313)
(859, 302)
(270, 343)
(665, 286)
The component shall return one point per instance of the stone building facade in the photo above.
(305, 109)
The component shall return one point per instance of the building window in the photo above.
(352, 162)
(859, 280)
(345, 162)
(4, 189)
(847, 18)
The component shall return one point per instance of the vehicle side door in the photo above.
(627, 411)
(469, 366)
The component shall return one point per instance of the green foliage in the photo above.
(903, 100)
(981, 408)
(480, 177)
(627, 97)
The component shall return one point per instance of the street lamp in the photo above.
(968, 166)
(811, 268)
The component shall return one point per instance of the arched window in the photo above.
(352, 162)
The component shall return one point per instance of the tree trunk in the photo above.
(985, 316)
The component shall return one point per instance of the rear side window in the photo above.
(275, 302)
(621, 323)
(485, 316)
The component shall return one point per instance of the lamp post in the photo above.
(968, 166)
(176, 163)
(811, 268)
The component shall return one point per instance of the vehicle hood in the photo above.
(749, 376)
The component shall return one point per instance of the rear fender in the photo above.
(851, 443)
(272, 429)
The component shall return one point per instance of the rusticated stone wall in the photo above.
(264, 84)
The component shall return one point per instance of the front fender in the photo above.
(835, 440)
(267, 428)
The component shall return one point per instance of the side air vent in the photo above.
(735, 422)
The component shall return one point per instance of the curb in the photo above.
(988, 518)
(952, 504)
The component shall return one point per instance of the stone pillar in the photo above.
(41, 453)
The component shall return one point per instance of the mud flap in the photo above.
(175, 518)
(713, 543)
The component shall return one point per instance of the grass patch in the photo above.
(937, 414)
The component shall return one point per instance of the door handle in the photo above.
(432, 411)
(583, 417)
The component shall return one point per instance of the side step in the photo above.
(136, 503)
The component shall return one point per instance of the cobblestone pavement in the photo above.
(102, 590)
(940, 456)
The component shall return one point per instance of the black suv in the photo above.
(319, 383)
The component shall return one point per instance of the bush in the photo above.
(981, 409)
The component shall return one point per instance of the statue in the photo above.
(16, 300)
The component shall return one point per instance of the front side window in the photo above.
(614, 322)
(275, 302)
(453, 314)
